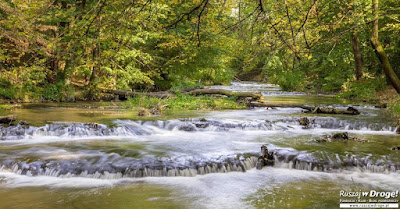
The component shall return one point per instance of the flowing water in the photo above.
(74, 156)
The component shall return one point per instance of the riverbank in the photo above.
(146, 104)
(151, 105)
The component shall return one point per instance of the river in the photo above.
(74, 156)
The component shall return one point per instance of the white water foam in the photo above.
(220, 190)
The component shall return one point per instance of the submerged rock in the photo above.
(187, 127)
(340, 137)
(7, 119)
(396, 147)
(306, 123)
(23, 124)
(203, 120)
(93, 125)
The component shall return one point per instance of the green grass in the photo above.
(184, 102)
(364, 90)
(5, 107)
(394, 107)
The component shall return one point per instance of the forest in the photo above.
(67, 50)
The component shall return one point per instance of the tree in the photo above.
(379, 50)
(357, 55)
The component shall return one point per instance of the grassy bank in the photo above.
(152, 105)
(391, 100)
(375, 92)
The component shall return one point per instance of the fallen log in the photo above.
(7, 119)
(158, 94)
(329, 110)
(185, 90)
(263, 104)
(192, 91)
(254, 96)
(311, 109)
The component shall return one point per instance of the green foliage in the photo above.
(8, 92)
(364, 90)
(51, 49)
(5, 107)
(394, 107)
(51, 93)
(291, 81)
(184, 102)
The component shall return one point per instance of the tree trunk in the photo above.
(97, 61)
(255, 96)
(310, 109)
(96, 66)
(380, 52)
(357, 55)
(62, 52)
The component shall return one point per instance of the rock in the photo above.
(203, 120)
(353, 110)
(93, 125)
(187, 127)
(325, 139)
(202, 125)
(358, 139)
(396, 147)
(260, 163)
(23, 124)
(7, 119)
(266, 158)
(340, 137)
(306, 122)
(398, 130)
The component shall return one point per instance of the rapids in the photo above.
(196, 159)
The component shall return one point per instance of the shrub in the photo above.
(364, 90)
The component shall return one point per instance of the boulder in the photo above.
(187, 127)
(306, 123)
(23, 124)
(265, 159)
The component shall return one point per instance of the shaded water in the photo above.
(194, 159)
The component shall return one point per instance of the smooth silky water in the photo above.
(193, 159)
